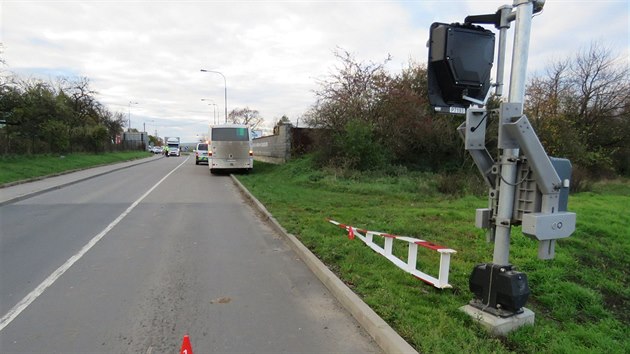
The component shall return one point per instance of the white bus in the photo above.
(230, 148)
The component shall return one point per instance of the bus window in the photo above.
(230, 134)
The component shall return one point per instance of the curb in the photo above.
(379, 330)
(59, 186)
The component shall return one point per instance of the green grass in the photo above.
(25, 167)
(581, 298)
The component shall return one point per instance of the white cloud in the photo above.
(271, 52)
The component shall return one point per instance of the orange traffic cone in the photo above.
(186, 347)
(350, 233)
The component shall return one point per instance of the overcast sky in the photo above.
(271, 52)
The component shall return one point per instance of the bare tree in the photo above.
(245, 116)
(83, 99)
(545, 94)
(603, 85)
(580, 109)
(4, 75)
(374, 118)
(351, 92)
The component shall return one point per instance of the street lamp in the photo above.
(145, 124)
(129, 115)
(225, 86)
(214, 111)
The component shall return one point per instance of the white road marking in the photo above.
(33, 295)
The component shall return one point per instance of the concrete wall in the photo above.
(274, 148)
(287, 142)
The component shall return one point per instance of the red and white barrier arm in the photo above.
(367, 237)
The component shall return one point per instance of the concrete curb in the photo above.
(381, 332)
(31, 194)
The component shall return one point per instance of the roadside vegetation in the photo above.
(59, 117)
(581, 298)
(371, 119)
(27, 167)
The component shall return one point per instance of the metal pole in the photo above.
(214, 112)
(503, 27)
(524, 12)
(224, 85)
(520, 52)
(225, 95)
(129, 115)
(129, 118)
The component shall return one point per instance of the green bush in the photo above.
(360, 149)
(354, 148)
(57, 135)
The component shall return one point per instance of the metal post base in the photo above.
(499, 326)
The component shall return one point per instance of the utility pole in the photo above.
(129, 115)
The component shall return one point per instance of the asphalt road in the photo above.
(121, 264)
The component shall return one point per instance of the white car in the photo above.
(201, 153)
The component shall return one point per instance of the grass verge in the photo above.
(581, 298)
(26, 167)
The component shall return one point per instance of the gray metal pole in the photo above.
(224, 85)
(129, 115)
(520, 52)
(129, 118)
(524, 12)
(225, 95)
(214, 112)
(504, 25)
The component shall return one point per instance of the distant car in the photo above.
(201, 153)
(156, 150)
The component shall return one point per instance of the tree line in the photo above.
(580, 108)
(58, 117)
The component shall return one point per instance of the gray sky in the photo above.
(271, 52)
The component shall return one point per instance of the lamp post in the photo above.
(214, 112)
(129, 115)
(225, 87)
(152, 121)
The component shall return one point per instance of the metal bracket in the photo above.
(523, 133)
(475, 137)
(507, 114)
(473, 132)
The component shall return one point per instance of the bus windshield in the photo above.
(229, 134)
